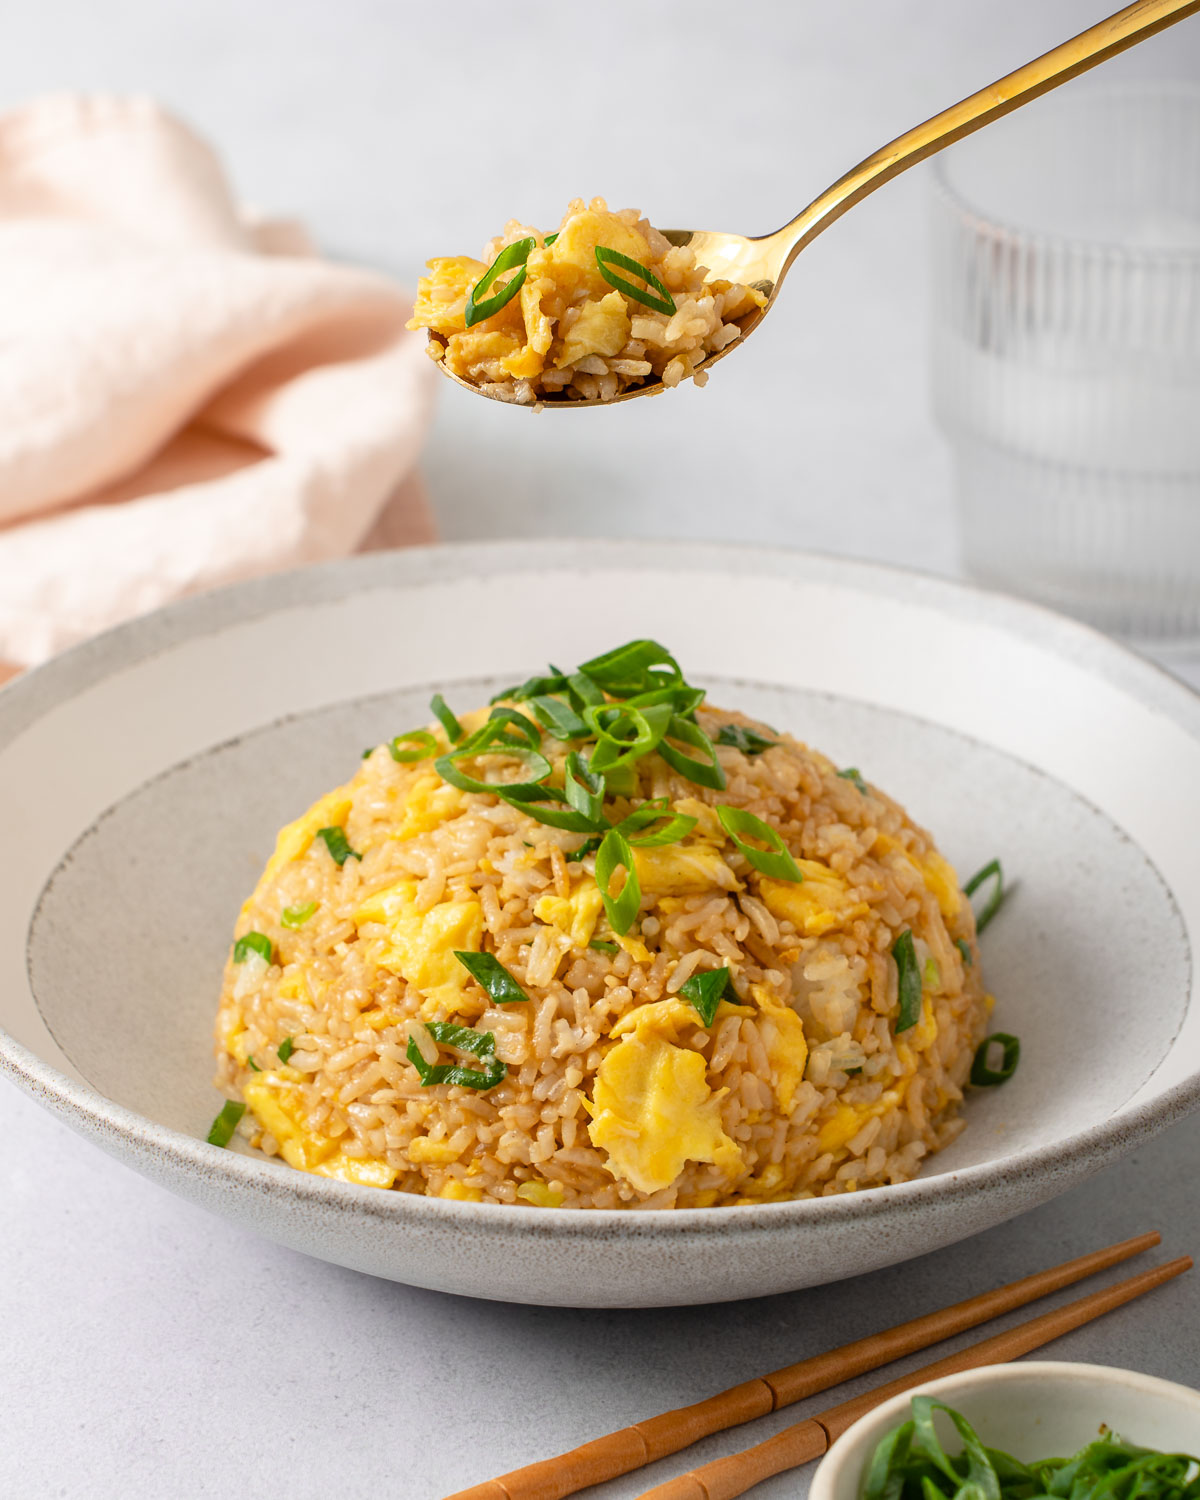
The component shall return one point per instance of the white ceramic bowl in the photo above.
(143, 776)
(1035, 1409)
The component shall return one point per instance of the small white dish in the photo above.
(1031, 1410)
(143, 777)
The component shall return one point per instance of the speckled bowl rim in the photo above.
(28, 697)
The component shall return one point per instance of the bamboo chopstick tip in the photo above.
(490, 1489)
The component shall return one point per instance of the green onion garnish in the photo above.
(533, 687)
(624, 734)
(985, 1077)
(221, 1131)
(589, 846)
(487, 970)
(584, 789)
(432, 1074)
(704, 991)
(557, 717)
(491, 739)
(423, 745)
(463, 1038)
(622, 910)
(296, 916)
(779, 864)
(851, 773)
(338, 845)
(743, 738)
(512, 255)
(991, 871)
(253, 942)
(910, 981)
(602, 945)
(254, 1067)
(663, 303)
(675, 826)
(636, 667)
(454, 730)
(964, 948)
(285, 1049)
(704, 772)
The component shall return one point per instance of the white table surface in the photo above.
(149, 1350)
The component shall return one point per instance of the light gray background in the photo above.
(147, 1349)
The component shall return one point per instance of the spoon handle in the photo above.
(1099, 42)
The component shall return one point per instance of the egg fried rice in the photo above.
(775, 992)
(604, 303)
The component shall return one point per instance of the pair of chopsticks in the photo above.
(645, 1442)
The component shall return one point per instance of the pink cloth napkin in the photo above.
(187, 397)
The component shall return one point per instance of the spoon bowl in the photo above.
(762, 262)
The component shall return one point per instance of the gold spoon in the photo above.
(763, 262)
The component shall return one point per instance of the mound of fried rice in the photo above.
(616, 1095)
(570, 334)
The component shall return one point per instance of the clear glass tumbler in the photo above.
(1066, 353)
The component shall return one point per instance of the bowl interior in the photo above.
(128, 940)
(1043, 1409)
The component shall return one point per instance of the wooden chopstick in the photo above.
(728, 1477)
(633, 1447)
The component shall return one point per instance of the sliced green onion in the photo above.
(683, 698)
(285, 1049)
(490, 740)
(253, 942)
(779, 864)
(705, 772)
(675, 826)
(909, 972)
(296, 916)
(622, 910)
(965, 949)
(584, 789)
(851, 773)
(589, 846)
(512, 255)
(743, 738)
(625, 734)
(584, 691)
(544, 805)
(487, 970)
(557, 717)
(602, 945)
(534, 687)
(222, 1128)
(467, 1078)
(636, 667)
(993, 872)
(522, 728)
(985, 1077)
(336, 842)
(254, 1067)
(480, 1043)
(704, 991)
(454, 730)
(550, 238)
(423, 744)
(663, 303)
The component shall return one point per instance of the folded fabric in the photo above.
(187, 397)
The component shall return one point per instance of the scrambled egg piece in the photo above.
(540, 1195)
(936, 871)
(849, 1119)
(420, 946)
(601, 328)
(330, 811)
(821, 902)
(682, 870)
(279, 1109)
(787, 1049)
(430, 803)
(575, 915)
(653, 1110)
